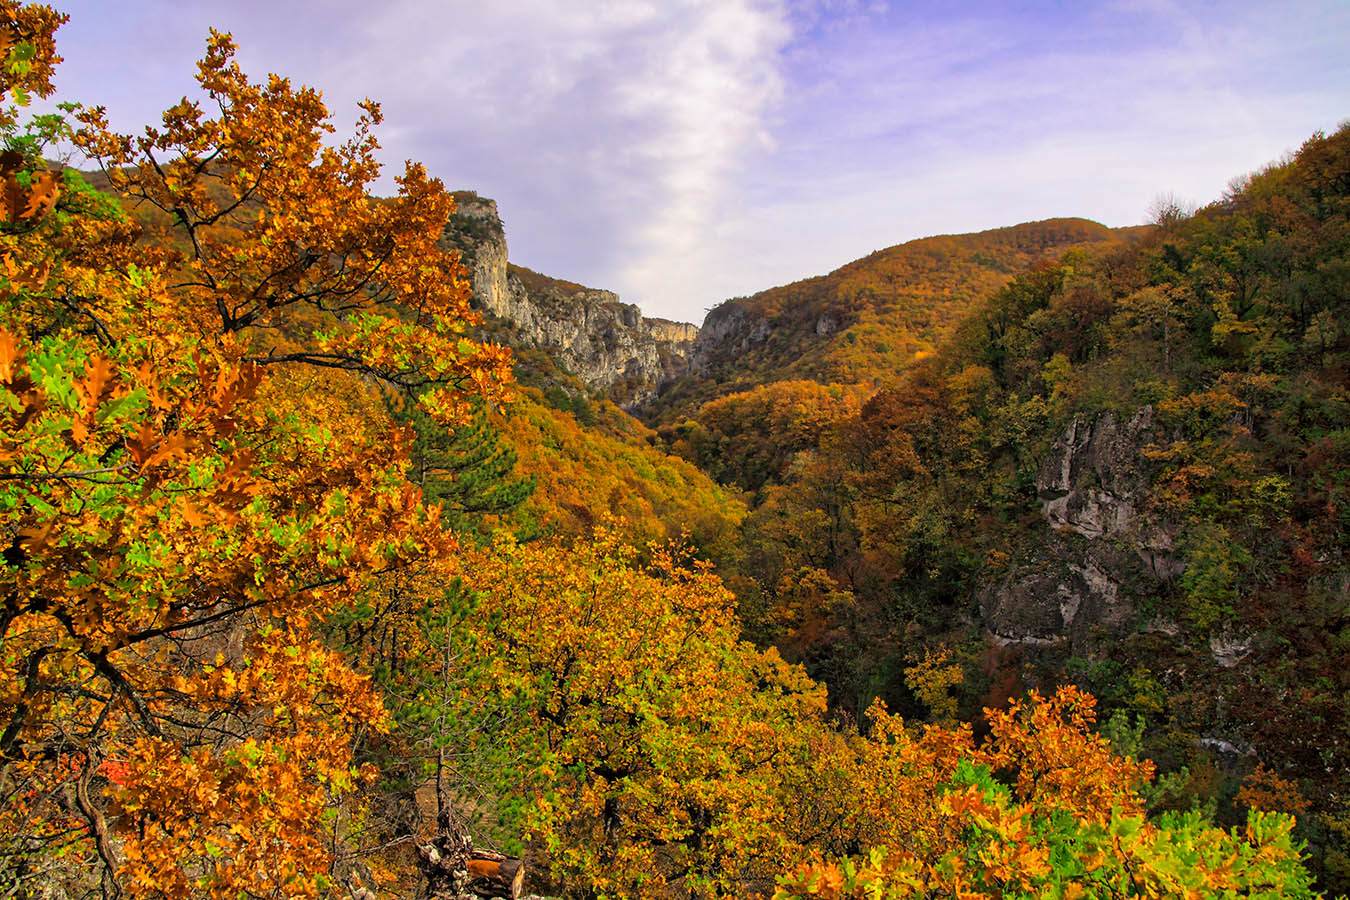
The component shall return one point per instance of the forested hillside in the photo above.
(305, 596)
(1120, 471)
(869, 320)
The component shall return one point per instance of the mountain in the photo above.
(863, 323)
(607, 344)
(1124, 470)
(977, 465)
(307, 594)
(870, 319)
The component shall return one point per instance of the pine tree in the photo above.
(469, 470)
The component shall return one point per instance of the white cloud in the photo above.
(608, 131)
(683, 151)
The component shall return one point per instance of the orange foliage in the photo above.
(870, 320)
(277, 233)
(940, 822)
(584, 476)
(1264, 789)
(194, 479)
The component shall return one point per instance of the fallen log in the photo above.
(494, 875)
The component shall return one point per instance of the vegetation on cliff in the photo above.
(283, 619)
(1208, 593)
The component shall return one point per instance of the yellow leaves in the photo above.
(942, 824)
(170, 492)
(650, 718)
(930, 677)
(213, 822)
(27, 53)
(1074, 891)
(284, 235)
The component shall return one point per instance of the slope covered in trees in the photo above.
(244, 653)
(585, 475)
(867, 321)
(1120, 470)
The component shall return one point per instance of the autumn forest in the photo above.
(1004, 565)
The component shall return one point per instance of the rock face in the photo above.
(476, 231)
(607, 344)
(1103, 549)
(1091, 480)
(729, 330)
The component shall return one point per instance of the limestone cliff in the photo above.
(609, 345)
(1102, 550)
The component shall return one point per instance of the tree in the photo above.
(1043, 809)
(180, 514)
(278, 240)
(468, 469)
(657, 749)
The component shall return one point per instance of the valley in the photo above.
(346, 558)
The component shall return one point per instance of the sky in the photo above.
(681, 152)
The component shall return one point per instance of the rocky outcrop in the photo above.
(1092, 480)
(1068, 593)
(1104, 549)
(476, 231)
(1095, 482)
(729, 331)
(609, 345)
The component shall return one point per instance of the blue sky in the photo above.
(684, 151)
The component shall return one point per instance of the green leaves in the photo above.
(1047, 838)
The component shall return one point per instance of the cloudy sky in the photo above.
(684, 151)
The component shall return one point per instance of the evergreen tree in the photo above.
(468, 470)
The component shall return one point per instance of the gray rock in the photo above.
(728, 332)
(1093, 479)
(597, 338)
(1227, 751)
(1062, 597)
(1229, 648)
(1105, 548)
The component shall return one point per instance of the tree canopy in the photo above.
(259, 638)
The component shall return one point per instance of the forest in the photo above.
(314, 589)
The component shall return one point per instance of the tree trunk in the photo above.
(494, 875)
(455, 872)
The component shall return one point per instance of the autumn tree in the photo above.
(180, 511)
(657, 747)
(1042, 809)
